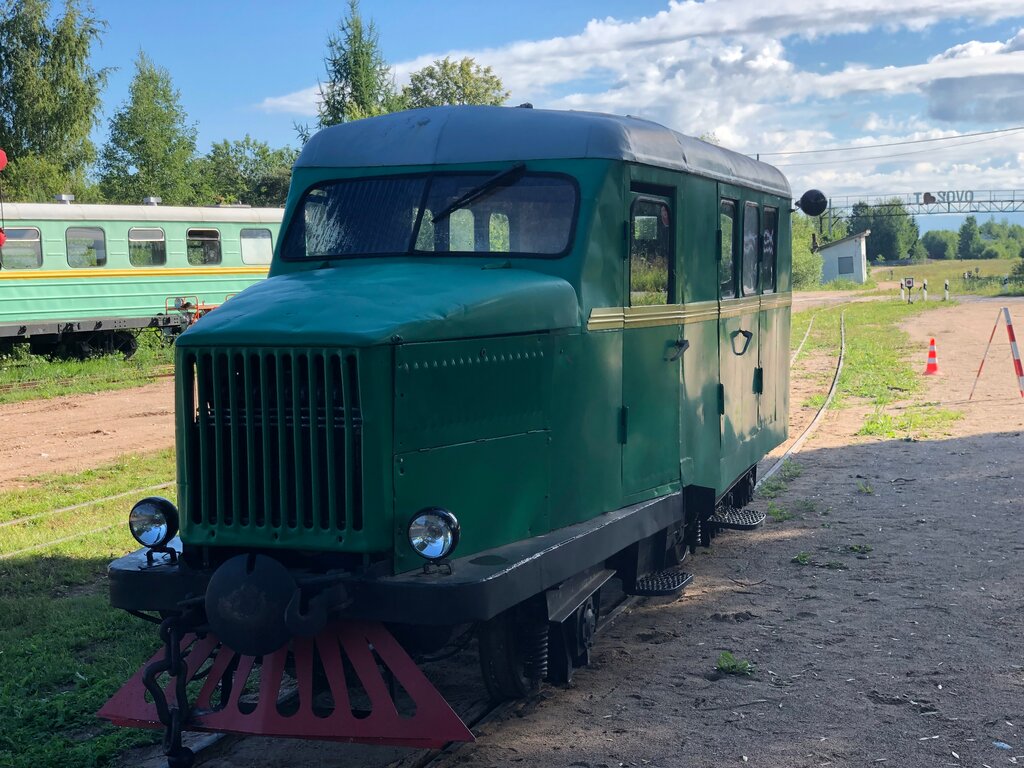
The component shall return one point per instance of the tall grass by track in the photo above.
(24, 376)
(881, 366)
(63, 649)
(987, 283)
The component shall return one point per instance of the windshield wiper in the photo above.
(504, 179)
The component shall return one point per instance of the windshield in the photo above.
(529, 215)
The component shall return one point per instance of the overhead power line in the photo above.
(891, 143)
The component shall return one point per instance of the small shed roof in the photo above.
(826, 246)
(475, 134)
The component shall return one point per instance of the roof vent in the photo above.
(65, 199)
(151, 201)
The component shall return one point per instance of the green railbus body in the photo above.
(522, 394)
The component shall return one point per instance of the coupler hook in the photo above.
(172, 715)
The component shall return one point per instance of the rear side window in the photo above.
(147, 247)
(769, 240)
(650, 253)
(87, 247)
(257, 246)
(726, 266)
(203, 247)
(23, 249)
(751, 246)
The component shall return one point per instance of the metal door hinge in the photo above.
(759, 380)
(721, 399)
(623, 424)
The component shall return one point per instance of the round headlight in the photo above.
(153, 521)
(434, 533)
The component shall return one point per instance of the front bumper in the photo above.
(478, 586)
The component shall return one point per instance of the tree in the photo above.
(970, 246)
(806, 263)
(247, 171)
(152, 147)
(50, 96)
(893, 230)
(940, 243)
(453, 82)
(359, 80)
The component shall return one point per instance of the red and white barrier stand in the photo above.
(1018, 369)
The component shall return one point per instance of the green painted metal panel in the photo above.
(497, 489)
(454, 392)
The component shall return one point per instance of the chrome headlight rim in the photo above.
(450, 523)
(153, 514)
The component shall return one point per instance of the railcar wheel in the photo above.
(513, 653)
(125, 343)
(572, 640)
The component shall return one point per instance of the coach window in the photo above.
(202, 247)
(751, 246)
(498, 233)
(147, 247)
(87, 247)
(257, 246)
(768, 249)
(651, 268)
(726, 264)
(23, 249)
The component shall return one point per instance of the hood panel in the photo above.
(367, 304)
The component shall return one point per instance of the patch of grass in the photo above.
(778, 514)
(24, 376)
(802, 558)
(63, 649)
(730, 665)
(914, 422)
(860, 549)
(865, 488)
(815, 401)
(771, 487)
(790, 470)
(805, 507)
(835, 565)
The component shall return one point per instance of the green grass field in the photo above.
(63, 649)
(987, 282)
(31, 377)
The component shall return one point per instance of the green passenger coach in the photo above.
(503, 356)
(76, 279)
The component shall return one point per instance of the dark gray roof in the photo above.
(450, 135)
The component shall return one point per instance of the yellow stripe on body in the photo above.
(611, 318)
(102, 272)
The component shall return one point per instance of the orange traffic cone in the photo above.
(933, 360)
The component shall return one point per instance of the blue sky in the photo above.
(763, 77)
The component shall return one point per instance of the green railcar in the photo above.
(503, 356)
(79, 278)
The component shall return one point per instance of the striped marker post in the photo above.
(1013, 348)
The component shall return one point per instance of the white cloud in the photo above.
(722, 67)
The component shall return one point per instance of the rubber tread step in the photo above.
(737, 519)
(668, 582)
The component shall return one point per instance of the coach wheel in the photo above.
(125, 343)
(513, 653)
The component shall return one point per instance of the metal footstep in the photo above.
(668, 582)
(737, 519)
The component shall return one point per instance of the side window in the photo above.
(257, 246)
(768, 249)
(23, 249)
(202, 247)
(726, 267)
(147, 247)
(460, 233)
(751, 246)
(651, 266)
(87, 247)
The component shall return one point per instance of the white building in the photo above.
(846, 259)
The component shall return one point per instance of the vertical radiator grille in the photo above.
(273, 440)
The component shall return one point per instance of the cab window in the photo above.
(23, 249)
(726, 265)
(651, 268)
(87, 247)
(769, 239)
(751, 246)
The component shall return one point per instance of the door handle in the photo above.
(680, 346)
(747, 335)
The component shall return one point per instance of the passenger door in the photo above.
(652, 348)
(738, 331)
